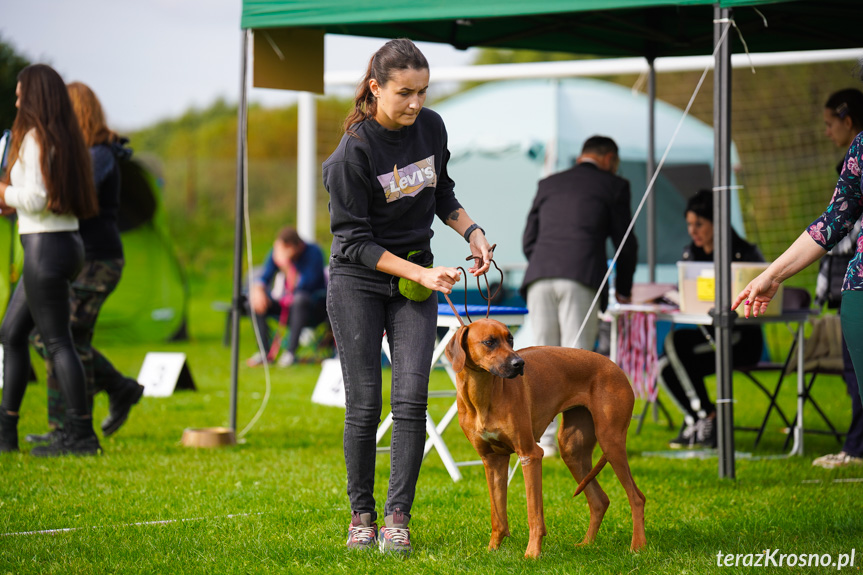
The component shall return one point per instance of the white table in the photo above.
(510, 316)
(670, 314)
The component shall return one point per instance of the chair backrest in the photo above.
(795, 298)
(823, 348)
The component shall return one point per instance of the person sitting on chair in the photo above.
(295, 270)
(689, 354)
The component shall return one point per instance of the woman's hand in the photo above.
(258, 299)
(439, 278)
(757, 295)
(5, 209)
(481, 251)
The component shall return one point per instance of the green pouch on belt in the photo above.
(411, 289)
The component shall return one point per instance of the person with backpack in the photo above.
(103, 267)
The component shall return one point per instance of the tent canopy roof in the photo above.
(650, 28)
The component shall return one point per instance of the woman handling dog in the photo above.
(387, 180)
(50, 185)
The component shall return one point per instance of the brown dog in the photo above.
(507, 399)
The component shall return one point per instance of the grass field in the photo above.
(277, 504)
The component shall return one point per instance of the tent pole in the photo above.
(651, 167)
(237, 300)
(723, 317)
(306, 169)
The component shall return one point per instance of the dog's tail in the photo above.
(593, 473)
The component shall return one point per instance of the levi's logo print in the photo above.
(408, 181)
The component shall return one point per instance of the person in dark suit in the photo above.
(573, 215)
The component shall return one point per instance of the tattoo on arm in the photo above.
(453, 216)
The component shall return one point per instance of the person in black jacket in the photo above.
(573, 215)
(689, 354)
(103, 266)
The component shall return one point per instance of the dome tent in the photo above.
(150, 301)
(504, 136)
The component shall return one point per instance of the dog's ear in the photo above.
(455, 349)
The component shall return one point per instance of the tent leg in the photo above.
(307, 166)
(237, 299)
(651, 167)
(723, 316)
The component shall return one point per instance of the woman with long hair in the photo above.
(103, 266)
(387, 180)
(50, 185)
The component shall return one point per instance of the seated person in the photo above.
(298, 299)
(689, 355)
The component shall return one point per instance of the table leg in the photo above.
(797, 430)
(442, 450)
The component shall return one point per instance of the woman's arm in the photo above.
(761, 290)
(30, 194)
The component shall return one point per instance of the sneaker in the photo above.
(362, 533)
(286, 359)
(686, 438)
(119, 405)
(67, 444)
(256, 360)
(395, 537)
(705, 432)
(834, 460)
(42, 438)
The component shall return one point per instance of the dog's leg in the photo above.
(576, 439)
(531, 466)
(613, 445)
(497, 474)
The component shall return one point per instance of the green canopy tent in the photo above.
(645, 28)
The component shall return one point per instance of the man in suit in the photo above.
(572, 216)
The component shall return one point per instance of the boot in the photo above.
(120, 401)
(77, 438)
(8, 432)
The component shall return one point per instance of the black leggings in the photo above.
(51, 261)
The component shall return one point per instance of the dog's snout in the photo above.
(517, 364)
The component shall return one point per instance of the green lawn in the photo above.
(276, 503)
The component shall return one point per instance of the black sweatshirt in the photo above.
(386, 187)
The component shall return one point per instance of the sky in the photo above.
(149, 60)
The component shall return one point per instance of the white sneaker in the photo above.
(833, 460)
(286, 359)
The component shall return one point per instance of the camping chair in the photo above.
(793, 299)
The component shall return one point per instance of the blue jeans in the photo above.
(362, 303)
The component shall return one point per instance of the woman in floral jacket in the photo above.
(835, 223)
